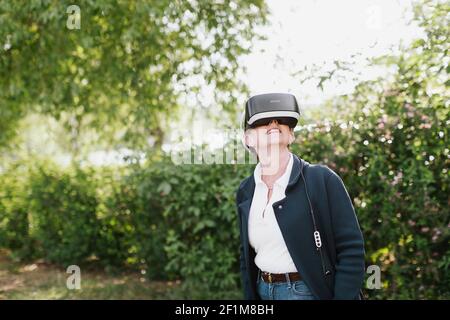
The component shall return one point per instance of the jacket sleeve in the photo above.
(243, 266)
(244, 279)
(350, 267)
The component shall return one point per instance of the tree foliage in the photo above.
(122, 72)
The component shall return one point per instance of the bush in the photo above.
(117, 202)
(63, 210)
(199, 208)
(132, 228)
(14, 226)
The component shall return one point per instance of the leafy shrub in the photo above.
(63, 208)
(117, 202)
(14, 226)
(200, 212)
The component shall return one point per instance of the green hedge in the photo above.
(62, 208)
(202, 241)
(14, 221)
(179, 221)
(400, 195)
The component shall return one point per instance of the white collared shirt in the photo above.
(264, 233)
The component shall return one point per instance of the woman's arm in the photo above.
(350, 266)
(243, 266)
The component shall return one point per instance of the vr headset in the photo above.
(262, 109)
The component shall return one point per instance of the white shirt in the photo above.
(264, 233)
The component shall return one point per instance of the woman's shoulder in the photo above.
(245, 183)
(320, 171)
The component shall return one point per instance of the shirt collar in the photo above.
(281, 181)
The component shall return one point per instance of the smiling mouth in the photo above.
(273, 131)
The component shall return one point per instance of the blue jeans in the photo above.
(289, 290)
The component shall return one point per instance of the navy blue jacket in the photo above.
(342, 241)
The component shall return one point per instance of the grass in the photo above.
(40, 280)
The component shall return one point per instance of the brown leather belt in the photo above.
(279, 277)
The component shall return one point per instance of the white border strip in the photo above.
(272, 114)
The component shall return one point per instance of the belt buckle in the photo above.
(270, 278)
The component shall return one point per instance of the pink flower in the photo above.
(397, 178)
(409, 107)
(425, 126)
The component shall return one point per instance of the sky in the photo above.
(306, 32)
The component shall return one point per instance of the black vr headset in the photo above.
(262, 109)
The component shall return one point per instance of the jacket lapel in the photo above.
(297, 167)
(249, 187)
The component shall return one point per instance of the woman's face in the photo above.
(266, 136)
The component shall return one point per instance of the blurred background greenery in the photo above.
(146, 228)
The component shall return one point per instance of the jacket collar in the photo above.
(248, 186)
(281, 181)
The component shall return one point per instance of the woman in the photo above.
(300, 238)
